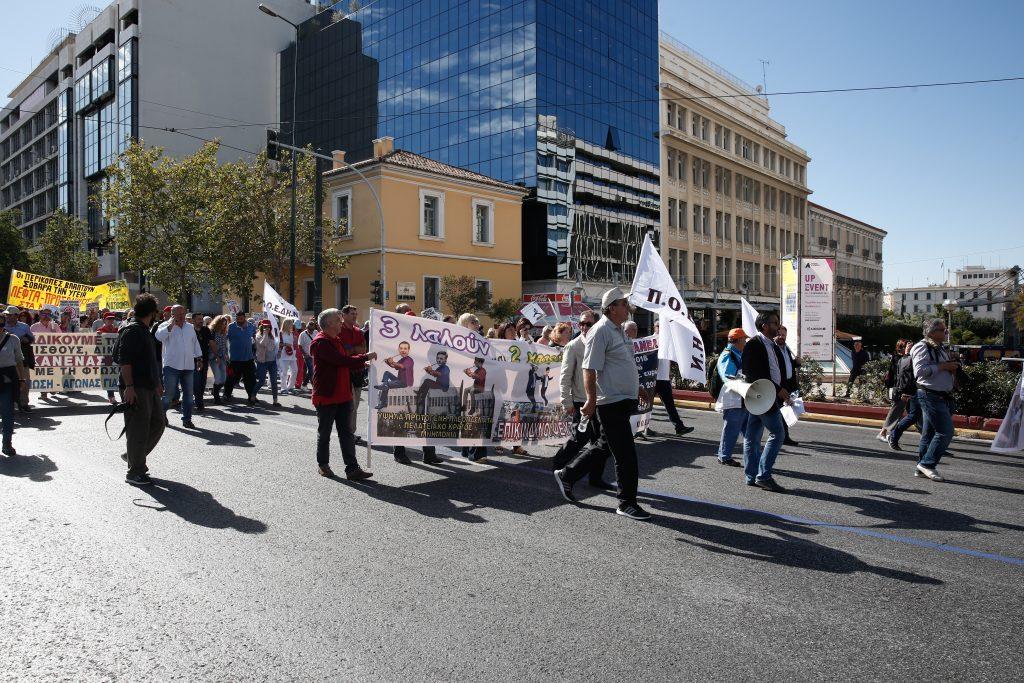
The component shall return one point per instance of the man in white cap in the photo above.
(612, 386)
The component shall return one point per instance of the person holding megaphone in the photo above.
(763, 360)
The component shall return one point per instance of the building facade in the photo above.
(976, 289)
(556, 96)
(733, 187)
(857, 248)
(135, 69)
(438, 220)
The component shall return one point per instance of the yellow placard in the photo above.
(28, 290)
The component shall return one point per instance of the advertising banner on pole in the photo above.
(790, 303)
(74, 361)
(817, 331)
(444, 385)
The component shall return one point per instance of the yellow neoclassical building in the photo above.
(438, 220)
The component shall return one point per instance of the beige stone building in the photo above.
(733, 187)
(857, 248)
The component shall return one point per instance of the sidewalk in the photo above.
(849, 414)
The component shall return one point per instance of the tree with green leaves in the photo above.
(504, 310)
(458, 292)
(61, 250)
(13, 252)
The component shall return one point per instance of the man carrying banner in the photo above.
(574, 395)
(612, 387)
(762, 359)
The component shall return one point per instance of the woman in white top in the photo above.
(267, 347)
(286, 362)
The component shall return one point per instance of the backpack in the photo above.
(715, 381)
(906, 383)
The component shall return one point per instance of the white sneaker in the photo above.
(884, 438)
(928, 472)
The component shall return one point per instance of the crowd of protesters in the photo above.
(166, 357)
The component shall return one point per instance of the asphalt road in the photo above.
(244, 564)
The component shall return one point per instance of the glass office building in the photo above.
(557, 95)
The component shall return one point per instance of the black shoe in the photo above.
(24, 407)
(403, 459)
(642, 437)
(789, 442)
(359, 441)
(633, 511)
(325, 471)
(730, 462)
(188, 424)
(600, 484)
(564, 487)
(769, 485)
(682, 430)
(433, 460)
(8, 449)
(751, 482)
(894, 444)
(139, 480)
(358, 474)
(651, 432)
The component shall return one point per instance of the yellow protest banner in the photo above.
(28, 290)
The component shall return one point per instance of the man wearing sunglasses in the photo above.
(573, 397)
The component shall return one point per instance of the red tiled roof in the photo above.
(417, 162)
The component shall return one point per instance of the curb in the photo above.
(838, 419)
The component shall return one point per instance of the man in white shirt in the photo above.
(305, 342)
(182, 356)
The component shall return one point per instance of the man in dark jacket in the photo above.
(141, 388)
(791, 379)
(860, 358)
(762, 359)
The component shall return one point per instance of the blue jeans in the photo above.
(761, 467)
(220, 370)
(307, 375)
(912, 417)
(172, 379)
(734, 422)
(8, 394)
(261, 377)
(936, 428)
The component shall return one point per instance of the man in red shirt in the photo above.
(355, 343)
(332, 394)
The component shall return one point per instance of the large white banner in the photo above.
(817, 333)
(74, 361)
(654, 290)
(443, 385)
(276, 304)
(749, 317)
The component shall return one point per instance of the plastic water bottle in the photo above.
(583, 425)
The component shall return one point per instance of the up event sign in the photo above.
(74, 361)
(444, 385)
(808, 307)
(645, 353)
(28, 290)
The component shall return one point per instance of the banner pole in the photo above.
(369, 384)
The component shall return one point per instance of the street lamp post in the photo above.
(950, 305)
(295, 163)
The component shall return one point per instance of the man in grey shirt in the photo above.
(574, 395)
(612, 386)
(935, 373)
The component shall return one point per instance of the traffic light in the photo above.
(377, 293)
(273, 151)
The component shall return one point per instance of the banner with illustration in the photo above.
(28, 290)
(439, 384)
(74, 361)
(645, 353)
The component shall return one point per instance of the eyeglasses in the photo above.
(583, 324)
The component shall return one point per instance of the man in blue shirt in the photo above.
(440, 378)
(241, 334)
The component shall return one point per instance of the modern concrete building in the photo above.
(439, 219)
(733, 187)
(973, 288)
(134, 69)
(558, 96)
(857, 248)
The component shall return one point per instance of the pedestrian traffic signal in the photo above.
(377, 293)
(273, 151)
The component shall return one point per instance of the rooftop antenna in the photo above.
(764, 78)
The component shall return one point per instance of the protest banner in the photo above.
(28, 290)
(74, 361)
(645, 353)
(233, 308)
(655, 290)
(72, 307)
(443, 385)
(276, 304)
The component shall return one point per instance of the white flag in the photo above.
(275, 303)
(533, 312)
(654, 290)
(749, 318)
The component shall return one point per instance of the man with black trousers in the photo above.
(762, 359)
(141, 388)
(612, 386)
(205, 336)
(574, 395)
(791, 381)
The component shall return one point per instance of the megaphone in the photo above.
(758, 397)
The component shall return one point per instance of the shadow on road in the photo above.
(215, 438)
(198, 507)
(31, 467)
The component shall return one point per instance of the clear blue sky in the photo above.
(939, 169)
